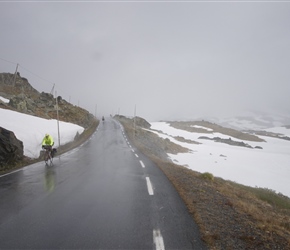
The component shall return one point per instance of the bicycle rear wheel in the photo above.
(47, 158)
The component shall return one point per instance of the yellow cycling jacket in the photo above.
(48, 141)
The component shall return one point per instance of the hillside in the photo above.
(25, 99)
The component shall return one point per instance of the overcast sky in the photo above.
(173, 60)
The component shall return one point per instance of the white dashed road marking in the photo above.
(149, 186)
(158, 240)
(157, 237)
(142, 164)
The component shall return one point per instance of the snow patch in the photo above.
(267, 168)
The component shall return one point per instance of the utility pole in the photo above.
(96, 111)
(14, 78)
(57, 119)
(51, 92)
(135, 120)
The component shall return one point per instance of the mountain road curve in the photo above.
(104, 194)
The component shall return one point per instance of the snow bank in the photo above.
(31, 130)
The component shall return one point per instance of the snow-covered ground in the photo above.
(267, 168)
(31, 130)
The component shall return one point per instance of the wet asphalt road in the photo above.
(103, 195)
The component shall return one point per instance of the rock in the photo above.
(142, 122)
(11, 149)
(18, 103)
(227, 141)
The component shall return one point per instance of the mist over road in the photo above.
(102, 195)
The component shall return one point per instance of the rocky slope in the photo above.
(25, 99)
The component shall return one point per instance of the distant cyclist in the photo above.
(47, 142)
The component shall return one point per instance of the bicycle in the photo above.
(48, 157)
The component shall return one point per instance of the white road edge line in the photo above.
(158, 240)
(11, 172)
(142, 164)
(149, 186)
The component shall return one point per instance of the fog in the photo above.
(158, 59)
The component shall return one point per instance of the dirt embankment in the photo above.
(230, 216)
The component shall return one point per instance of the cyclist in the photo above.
(48, 142)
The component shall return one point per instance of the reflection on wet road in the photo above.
(103, 195)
